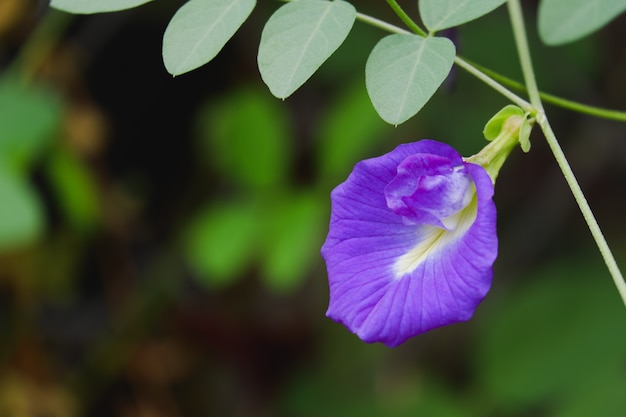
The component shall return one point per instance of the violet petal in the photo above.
(390, 280)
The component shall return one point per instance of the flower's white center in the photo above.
(432, 239)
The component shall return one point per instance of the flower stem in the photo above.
(526, 106)
(485, 74)
(519, 32)
(552, 99)
(406, 18)
(493, 156)
(517, 20)
(585, 209)
(381, 24)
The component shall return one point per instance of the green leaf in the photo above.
(246, 137)
(199, 30)
(21, 216)
(28, 119)
(95, 6)
(220, 242)
(298, 38)
(563, 21)
(443, 14)
(294, 237)
(404, 71)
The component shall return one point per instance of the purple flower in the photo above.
(411, 243)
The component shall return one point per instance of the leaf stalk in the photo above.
(406, 19)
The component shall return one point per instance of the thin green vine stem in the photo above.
(498, 81)
(517, 20)
(585, 209)
(381, 24)
(519, 33)
(406, 18)
(603, 113)
(548, 98)
(488, 76)
(525, 105)
(609, 114)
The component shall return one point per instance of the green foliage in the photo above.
(298, 38)
(294, 232)
(21, 215)
(342, 141)
(404, 71)
(199, 30)
(221, 240)
(551, 344)
(301, 35)
(350, 395)
(28, 117)
(95, 6)
(563, 21)
(559, 335)
(554, 345)
(602, 397)
(283, 234)
(247, 136)
(74, 189)
(444, 14)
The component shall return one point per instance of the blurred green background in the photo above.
(159, 236)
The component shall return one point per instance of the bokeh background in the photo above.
(159, 236)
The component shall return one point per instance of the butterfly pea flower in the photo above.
(412, 236)
(411, 242)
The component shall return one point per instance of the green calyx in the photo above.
(509, 127)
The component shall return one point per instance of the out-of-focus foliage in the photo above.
(221, 241)
(75, 189)
(293, 234)
(28, 116)
(561, 331)
(247, 137)
(342, 143)
(169, 261)
(21, 217)
(28, 119)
